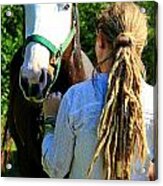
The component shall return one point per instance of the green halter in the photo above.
(57, 52)
(49, 45)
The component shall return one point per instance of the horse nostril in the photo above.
(42, 76)
(33, 85)
(34, 90)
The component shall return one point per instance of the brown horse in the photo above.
(37, 81)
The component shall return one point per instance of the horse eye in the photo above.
(66, 7)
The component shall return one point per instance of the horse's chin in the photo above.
(34, 95)
(37, 99)
(32, 99)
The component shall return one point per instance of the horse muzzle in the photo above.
(33, 85)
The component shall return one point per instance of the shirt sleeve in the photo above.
(150, 131)
(57, 147)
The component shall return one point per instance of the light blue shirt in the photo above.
(71, 147)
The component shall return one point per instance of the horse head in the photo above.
(50, 29)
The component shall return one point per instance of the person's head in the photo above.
(121, 25)
(121, 37)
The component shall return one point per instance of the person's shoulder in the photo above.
(87, 90)
(98, 79)
(80, 87)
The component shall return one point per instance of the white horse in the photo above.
(50, 33)
(52, 39)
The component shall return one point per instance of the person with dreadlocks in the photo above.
(104, 126)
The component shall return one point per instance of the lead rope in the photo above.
(55, 77)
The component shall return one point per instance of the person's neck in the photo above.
(106, 66)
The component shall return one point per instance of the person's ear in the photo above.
(101, 40)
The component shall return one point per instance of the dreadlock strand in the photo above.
(107, 152)
(115, 146)
(103, 118)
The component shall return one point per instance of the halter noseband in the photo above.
(57, 52)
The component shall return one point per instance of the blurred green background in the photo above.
(12, 37)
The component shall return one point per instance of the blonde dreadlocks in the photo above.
(121, 126)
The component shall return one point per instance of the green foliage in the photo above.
(12, 32)
(88, 16)
(150, 52)
(11, 40)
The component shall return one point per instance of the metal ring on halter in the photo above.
(59, 53)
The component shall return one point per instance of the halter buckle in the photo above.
(59, 53)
